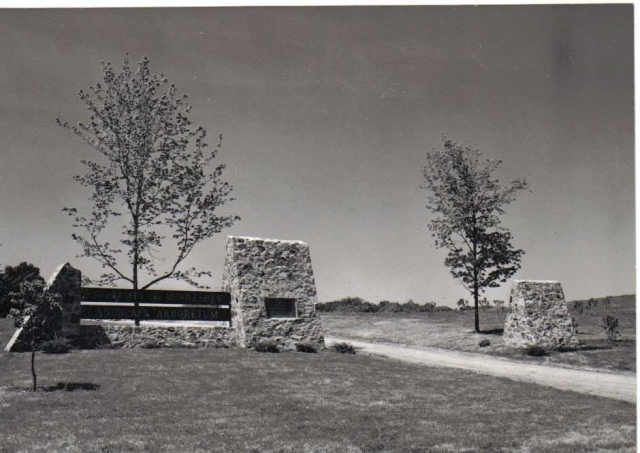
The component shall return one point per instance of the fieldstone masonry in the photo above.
(258, 269)
(66, 281)
(538, 316)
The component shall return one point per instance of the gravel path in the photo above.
(609, 385)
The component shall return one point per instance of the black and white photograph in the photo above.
(318, 228)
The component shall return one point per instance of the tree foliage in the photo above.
(467, 202)
(155, 178)
(10, 281)
(38, 313)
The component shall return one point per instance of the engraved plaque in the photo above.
(280, 308)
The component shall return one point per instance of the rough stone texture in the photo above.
(117, 336)
(67, 281)
(256, 269)
(538, 316)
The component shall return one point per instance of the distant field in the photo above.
(236, 400)
(454, 330)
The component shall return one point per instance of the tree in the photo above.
(155, 173)
(10, 281)
(467, 202)
(38, 313)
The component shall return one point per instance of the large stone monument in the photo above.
(273, 292)
(67, 282)
(538, 316)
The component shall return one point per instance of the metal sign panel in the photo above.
(155, 313)
(155, 296)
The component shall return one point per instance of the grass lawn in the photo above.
(236, 400)
(454, 330)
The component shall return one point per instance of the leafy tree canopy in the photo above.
(467, 202)
(155, 177)
(10, 281)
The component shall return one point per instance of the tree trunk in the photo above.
(136, 304)
(475, 298)
(33, 366)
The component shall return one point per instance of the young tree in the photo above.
(467, 202)
(38, 313)
(10, 281)
(155, 173)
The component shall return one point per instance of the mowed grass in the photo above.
(235, 400)
(454, 330)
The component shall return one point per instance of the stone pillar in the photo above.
(67, 281)
(273, 292)
(538, 316)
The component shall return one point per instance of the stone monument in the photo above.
(538, 316)
(273, 292)
(66, 281)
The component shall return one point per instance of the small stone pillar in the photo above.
(538, 316)
(273, 292)
(67, 281)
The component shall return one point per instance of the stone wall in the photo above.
(256, 269)
(119, 336)
(538, 316)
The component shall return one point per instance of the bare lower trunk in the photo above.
(475, 297)
(33, 366)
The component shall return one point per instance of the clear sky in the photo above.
(327, 114)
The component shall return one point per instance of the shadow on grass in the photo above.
(71, 387)
(492, 332)
(60, 386)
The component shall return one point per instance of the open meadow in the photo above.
(200, 400)
(454, 330)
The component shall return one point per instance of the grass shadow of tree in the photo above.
(492, 332)
(71, 387)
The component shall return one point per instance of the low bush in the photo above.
(56, 345)
(306, 347)
(267, 346)
(484, 343)
(343, 348)
(462, 304)
(610, 326)
(534, 351)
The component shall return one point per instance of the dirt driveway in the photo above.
(609, 385)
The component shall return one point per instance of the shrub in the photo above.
(462, 304)
(610, 326)
(306, 347)
(484, 343)
(56, 345)
(267, 346)
(499, 304)
(534, 351)
(483, 303)
(343, 348)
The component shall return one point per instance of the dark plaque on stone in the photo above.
(114, 311)
(280, 308)
(155, 296)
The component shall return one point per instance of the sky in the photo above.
(327, 114)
